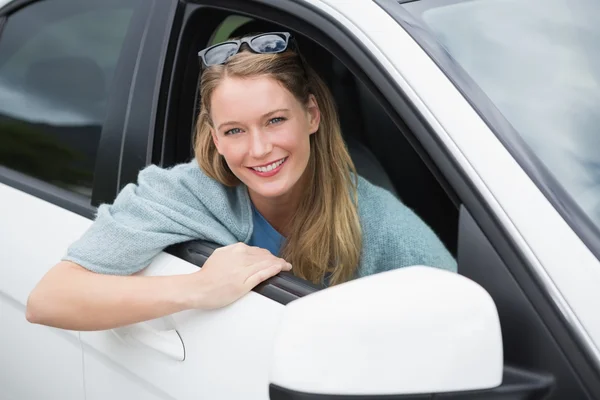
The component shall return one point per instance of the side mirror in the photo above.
(409, 331)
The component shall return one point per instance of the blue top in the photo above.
(173, 205)
(264, 235)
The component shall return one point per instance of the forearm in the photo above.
(70, 297)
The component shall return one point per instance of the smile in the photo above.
(269, 170)
(269, 167)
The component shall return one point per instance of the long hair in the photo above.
(325, 236)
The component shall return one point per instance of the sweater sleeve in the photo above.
(146, 217)
(395, 237)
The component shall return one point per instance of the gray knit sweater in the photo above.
(181, 203)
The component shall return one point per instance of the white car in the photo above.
(481, 115)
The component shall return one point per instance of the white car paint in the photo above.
(227, 351)
(416, 351)
(569, 270)
(35, 360)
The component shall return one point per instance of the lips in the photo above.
(269, 170)
(269, 167)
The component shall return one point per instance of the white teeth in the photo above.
(269, 167)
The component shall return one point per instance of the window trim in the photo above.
(63, 198)
(149, 84)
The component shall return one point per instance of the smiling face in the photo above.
(263, 133)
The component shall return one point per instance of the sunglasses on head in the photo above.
(264, 43)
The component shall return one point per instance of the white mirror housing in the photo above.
(407, 331)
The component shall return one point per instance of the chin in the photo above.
(270, 191)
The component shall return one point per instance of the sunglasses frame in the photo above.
(248, 41)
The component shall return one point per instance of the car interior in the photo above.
(380, 151)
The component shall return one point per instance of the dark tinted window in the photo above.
(57, 63)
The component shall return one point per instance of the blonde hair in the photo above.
(325, 235)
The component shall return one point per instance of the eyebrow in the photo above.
(262, 117)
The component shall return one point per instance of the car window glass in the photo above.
(57, 63)
(537, 60)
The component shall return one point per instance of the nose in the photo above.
(260, 144)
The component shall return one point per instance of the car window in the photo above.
(57, 63)
(537, 61)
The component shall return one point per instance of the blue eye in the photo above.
(232, 131)
(276, 120)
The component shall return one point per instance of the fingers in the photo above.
(262, 275)
(257, 264)
(263, 264)
(264, 270)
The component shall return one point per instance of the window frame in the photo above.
(107, 163)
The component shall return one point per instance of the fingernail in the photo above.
(289, 265)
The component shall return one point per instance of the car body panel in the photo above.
(42, 360)
(227, 351)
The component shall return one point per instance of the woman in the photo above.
(272, 182)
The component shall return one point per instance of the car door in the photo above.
(59, 62)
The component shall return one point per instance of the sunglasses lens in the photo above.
(221, 53)
(269, 44)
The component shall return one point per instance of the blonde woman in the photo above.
(272, 182)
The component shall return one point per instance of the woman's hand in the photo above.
(231, 272)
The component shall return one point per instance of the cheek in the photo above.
(232, 151)
(295, 140)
